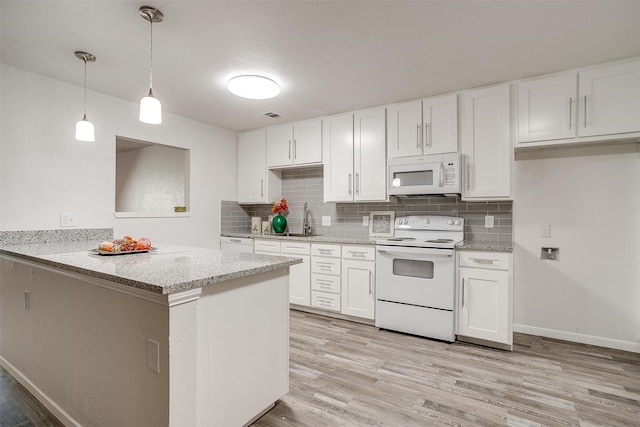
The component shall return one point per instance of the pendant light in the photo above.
(84, 128)
(150, 107)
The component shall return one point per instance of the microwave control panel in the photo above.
(450, 174)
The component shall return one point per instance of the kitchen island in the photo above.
(177, 336)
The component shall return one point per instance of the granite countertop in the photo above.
(310, 239)
(476, 245)
(482, 245)
(166, 270)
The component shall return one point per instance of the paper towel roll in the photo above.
(256, 222)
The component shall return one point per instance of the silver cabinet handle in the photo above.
(262, 188)
(326, 285)
(235, 240)
(428, 141)
(325, 251)
(27, 300)
(294, 149)
(483, 260)
(463, 292)
(358, 183)
(418, 135)
(289, 149)
(323, 301)
(570, 111)
(359, 254)
(349, 184)
(585, 111)
(468, 176)
(370, 288)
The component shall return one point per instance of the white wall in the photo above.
(591, 198)
(44, 171)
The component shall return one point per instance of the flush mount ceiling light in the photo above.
(253, 87)
(150, 107)
(84, 128)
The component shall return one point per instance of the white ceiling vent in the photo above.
(271, 114)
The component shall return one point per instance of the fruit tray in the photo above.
(99, 252)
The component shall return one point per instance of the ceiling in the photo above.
(328, 56)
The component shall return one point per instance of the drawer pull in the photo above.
(358, 254)
(483, 260)
(326, 251)
(235, 240)
(324, 285)
(323, 301)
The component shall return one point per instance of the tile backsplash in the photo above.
(305, 185)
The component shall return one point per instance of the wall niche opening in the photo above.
(151, 179)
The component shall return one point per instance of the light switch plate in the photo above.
(68, 219)
(488, 221)
(545, 230)
(365, 220)
(326, 221)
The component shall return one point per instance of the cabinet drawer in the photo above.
(365, 253)
(325, 300)
(325, 250)
(325, 265)
(488, 260)
(271, 246)
(325, 283)
(295, 248)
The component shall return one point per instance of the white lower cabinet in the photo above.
(325, 276)
(299, 274)
(485, 292)
(358, 279)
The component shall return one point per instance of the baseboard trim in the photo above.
(53, 407)
(580, 338)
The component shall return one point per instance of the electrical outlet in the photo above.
(68, 219)
(365, 220)
(545, 230)
(153, 355)
(488, 221)
(326, 221)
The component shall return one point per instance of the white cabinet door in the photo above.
(547, 108)
(256, 184)
(370, 155)
(307, 142)
(404, 135)
(280, 145)
(337, 143)
(486, 144)
(484, 304)
(358, 278)
(440, 124)
(610, 100)
(300, 281)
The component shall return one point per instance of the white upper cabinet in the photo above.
(337, 135)
(597, 102)
(610, 99)
(428, 126)
(547, 108)
(295, 144)
(369, 155)
(256, 184)
(486, 144)
(354, 156)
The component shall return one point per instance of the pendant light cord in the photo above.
(85, 87)
(151, 59)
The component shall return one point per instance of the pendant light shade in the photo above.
(84, 128)
(150, 107)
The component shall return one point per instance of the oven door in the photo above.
(417, 276)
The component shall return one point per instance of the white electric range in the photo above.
(415, 276)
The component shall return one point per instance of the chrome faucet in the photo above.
(306, 228)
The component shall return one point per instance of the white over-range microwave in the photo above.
(425, 175)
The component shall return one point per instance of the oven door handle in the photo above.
(417, 252)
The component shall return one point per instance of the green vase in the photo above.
(279, 223)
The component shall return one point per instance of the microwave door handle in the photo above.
(441, 175)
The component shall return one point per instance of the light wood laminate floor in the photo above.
(344, 373)
(348, 374)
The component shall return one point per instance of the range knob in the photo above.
(450, 222)
(427, 221)
(458, 222)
